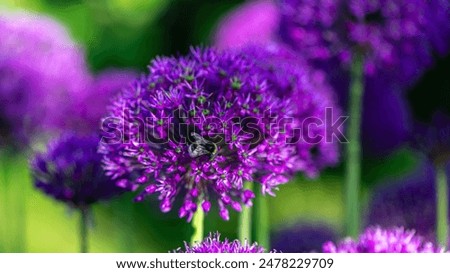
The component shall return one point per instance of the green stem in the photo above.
(262, 228)
(84, 212)
(197, 224)
(4, 202)
(353, 153)
(245, 219)
(441, 206)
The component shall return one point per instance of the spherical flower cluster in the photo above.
(40, 68)
(381, 101)
(313, 100)
(71, 171)
(254, 22)
(378, 240)
(197, 127)
(394, 35)
(213, 244)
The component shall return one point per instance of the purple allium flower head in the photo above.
(409, 202)
(433, 138)
(71, 171)
(253, 22)
(394, 35)
(197, 127)
(385, 114)
(312, 97)
(385, 111)
(91, 106)
(213, 244)
(40, 70)
(378, 240)
(302, 238)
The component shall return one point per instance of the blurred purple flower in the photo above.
(213, 244)
(91, 105)
(41, 69)
(253, 22)
(378, 240)
(71, 171)
(198, 127)
(302, 238)
(385, 111)
(410, 202)
(293, 79)
(397, 37)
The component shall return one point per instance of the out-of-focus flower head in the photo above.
(91, 106)
(71, 171)
(385, 111)
(378, 240)
(409, 202)
(312, 97)
(433, 138)
(385, 114)
(254, 22)
(302, 238)
(41, 69)
(396, 36)
(213, 244)
(197, 127)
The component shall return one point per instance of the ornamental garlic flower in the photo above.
(41, 68)
(315, 107)
(381, 101)
(378, 240)
(196, 127)
(90, 106)
(398, 36)
(253, 22)
(213, 244)
(71, 171)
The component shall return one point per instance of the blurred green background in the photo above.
(127, 34)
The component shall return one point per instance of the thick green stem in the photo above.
(197, 224)
(441, 206)
(262, 224)
(245, 220)
(84, 214)
(353, 153)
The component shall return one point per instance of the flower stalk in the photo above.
(198, 225)
(441, 206)
(353, 148)
(245, 220)
(262, 226)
